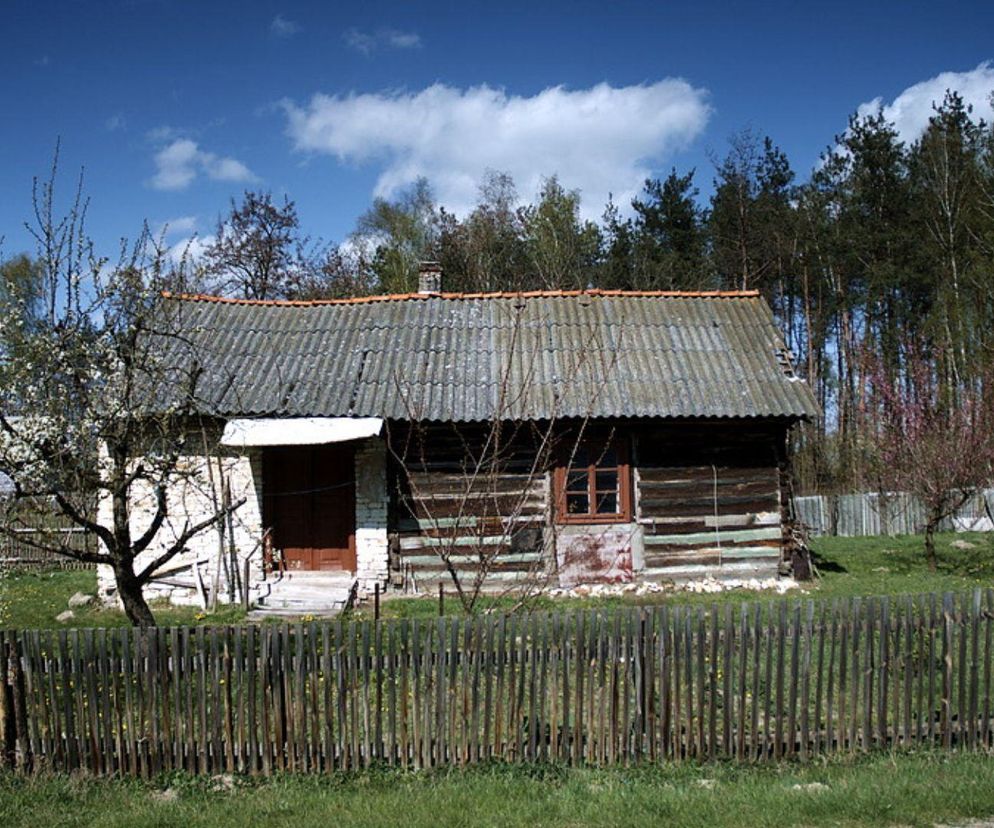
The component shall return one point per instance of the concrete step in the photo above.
(314, 596)
(274, 612)
(318, 594)
(310, 577)
(293, 601)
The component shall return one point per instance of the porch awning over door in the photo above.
(299, 431)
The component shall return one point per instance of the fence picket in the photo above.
(985, 726)
(794, 678)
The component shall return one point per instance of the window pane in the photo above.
(607, 481)
(607, 503)
(576, 481)
(577, 504)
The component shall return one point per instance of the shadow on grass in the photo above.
(968, 562)
(824, 564)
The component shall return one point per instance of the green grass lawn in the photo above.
(31, 600)
(888, 566)
(882, 789)
(848, 567)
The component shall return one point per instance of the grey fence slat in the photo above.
(869, 514)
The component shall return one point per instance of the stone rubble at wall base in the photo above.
(704, 585)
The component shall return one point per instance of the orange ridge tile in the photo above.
(526, 294)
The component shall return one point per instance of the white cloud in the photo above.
(601, 140)
(402, 40)
(162, 134)
(911, 110)
(190, 249)
(282, 27)
(181, 161)
(115, 122)
(180, 240)
(178, 226)
(369, 42)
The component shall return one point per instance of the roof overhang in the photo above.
(299, 431)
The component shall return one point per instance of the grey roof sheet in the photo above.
(531, 356)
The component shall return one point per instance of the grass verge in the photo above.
(881, 789)
(848, 567)
(32, 600)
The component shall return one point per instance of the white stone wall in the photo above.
(599, 553)
(371, 501)
(191, 500)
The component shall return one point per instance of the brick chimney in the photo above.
(429, 277)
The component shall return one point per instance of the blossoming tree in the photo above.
(82, 415)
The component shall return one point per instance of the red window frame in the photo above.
(569, 473)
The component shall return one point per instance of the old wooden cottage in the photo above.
(548, 438)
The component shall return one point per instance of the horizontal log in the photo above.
(502, 563)
(750, 519)
(674, 526)
(705, 488)
(725, 554)
(743, 570)
(702, 506)
(770, 533)
(494, 484)
(486, 525)
(489, 507)
(664, 474)
(772, 548)
(474, 541)
(697, 559)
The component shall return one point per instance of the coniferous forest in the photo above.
(878, 264)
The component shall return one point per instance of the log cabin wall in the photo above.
(708, 499)
(459, 499)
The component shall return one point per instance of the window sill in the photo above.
(581, 520)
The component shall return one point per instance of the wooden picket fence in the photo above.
(18, 552)
(753, 682)
(31, 522)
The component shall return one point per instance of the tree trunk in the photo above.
(930, 556)
(135, 605)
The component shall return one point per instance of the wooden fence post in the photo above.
(6, 708)
(15, 727)
(947, 669)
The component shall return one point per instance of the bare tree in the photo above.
(90, 409)
(478, 494)
(257, 252)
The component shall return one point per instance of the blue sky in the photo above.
(173, 107)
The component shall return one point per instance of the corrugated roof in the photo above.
(471, 357)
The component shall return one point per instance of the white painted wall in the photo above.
(599, 553)
(193, 500)
(371, 503)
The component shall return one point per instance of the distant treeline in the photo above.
(886, 248)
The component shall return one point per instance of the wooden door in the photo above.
(309, 504)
